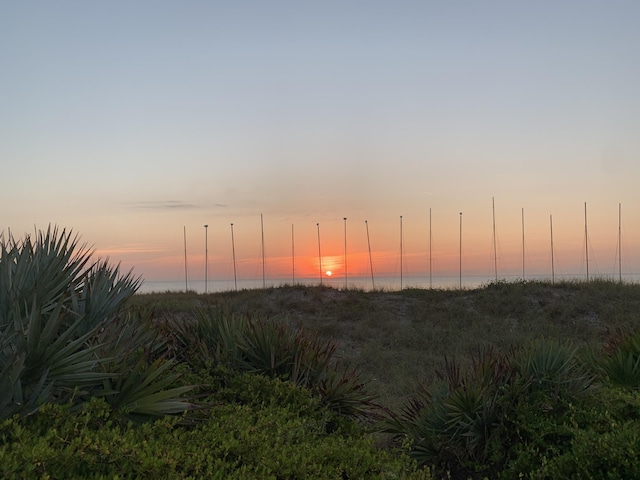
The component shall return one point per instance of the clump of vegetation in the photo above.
(84, 372)
(255, 427)
(541, 411)
(620, 361)
(66, 336)
(271, 348)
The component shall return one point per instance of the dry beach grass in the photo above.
(397, 340)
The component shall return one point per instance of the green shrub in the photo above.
(236, 441)
(595, 438)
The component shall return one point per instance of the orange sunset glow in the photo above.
(342, 146)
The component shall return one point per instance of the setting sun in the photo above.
(329, 273)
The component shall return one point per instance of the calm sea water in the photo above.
(363, 283)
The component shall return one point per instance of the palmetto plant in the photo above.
(553, 369)
(457, 421)
(58, 336)
(619, 364)
(452, 420)
(270, 348)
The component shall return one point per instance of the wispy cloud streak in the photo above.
(164, 205)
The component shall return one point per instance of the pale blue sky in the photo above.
(127, 121)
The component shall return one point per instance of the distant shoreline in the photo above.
(451, 282)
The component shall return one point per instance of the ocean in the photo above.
(361, 283)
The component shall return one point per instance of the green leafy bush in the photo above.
(272, 429)
(595, 438)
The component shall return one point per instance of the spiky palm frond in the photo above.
(346, 394)
(101, 292)
(46, 268)
(147, 390)
(273, 349)
(619, 363)
(59, 313)
(553, 368)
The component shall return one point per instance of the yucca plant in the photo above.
(55, 306)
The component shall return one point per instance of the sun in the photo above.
(328, 272)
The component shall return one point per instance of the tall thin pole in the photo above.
(206, 257)
(460, 255)
(233, 253)
(620, 242)
(373, 284)
(401, 254)
(523, 244)
(264, 284)
(495, 252)
(430, 258)
(186, 275)
(293, 259)
(345, 253)
(319, 254)
(553, 273)
(586, 239)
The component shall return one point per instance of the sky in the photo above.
(134, 124)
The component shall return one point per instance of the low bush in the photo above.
(254, 428)
(594, 438)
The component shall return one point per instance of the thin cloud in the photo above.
(171, 205)
(165, 205)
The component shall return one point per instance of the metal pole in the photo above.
(430, 258)
(264, 284)
(401, 255)
(620, 242)
(373, 285)
(553, 273)
(346, 274)
(586, 239)
(186, 275)
(206, 257)
(495, 252)
(233, 252)
(460, 255)
(319, 254)
(523, 244)
(293, 259)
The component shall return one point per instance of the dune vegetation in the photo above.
(525, 379)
